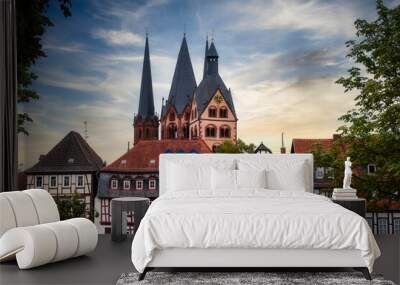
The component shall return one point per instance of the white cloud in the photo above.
(323, 19)
(115, 37)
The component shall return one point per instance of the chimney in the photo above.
(283, 148)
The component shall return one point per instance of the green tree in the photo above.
(372, 128)
(71, 208)
(239, 147)
(31, 25)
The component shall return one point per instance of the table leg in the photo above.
(116, 222)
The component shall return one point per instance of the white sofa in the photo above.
(31, 230)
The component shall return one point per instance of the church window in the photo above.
(224, 132)
(212, 112)
(186, 131)
(195, 131)
(223, 112)
(187, 114)
(210, 131)
(172, 116)
(147, 134)
(172, 131)
(140, 134)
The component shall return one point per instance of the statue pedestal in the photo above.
(344, 194)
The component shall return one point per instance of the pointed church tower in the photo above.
(205, 59)
(176, 113)
(213, 116)
(146, 121)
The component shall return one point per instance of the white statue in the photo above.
(347, 174)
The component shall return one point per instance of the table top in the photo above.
(349, 199)
(130, 199)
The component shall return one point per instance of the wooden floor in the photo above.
(110, 260)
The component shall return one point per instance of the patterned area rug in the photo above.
(232, 278)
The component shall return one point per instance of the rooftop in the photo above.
(71, 154)
(144, 156)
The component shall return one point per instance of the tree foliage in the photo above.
(372, 128)
(31, 25)
(239, 147)
(71, 208)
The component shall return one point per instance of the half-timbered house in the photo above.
(70, 168)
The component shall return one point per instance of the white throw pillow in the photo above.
(251, 178)
(282, 174)
(223, 179)
(183, 178)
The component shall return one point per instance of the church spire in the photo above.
(212, 60)
(205, 59)
(183, 82)
(146, 99)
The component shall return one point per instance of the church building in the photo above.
(191, 112)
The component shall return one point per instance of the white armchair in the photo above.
(31, 230)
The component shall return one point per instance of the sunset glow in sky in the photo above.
(280, 58)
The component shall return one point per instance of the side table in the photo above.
(357, 205)
(119, 208)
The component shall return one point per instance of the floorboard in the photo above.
(110, 260)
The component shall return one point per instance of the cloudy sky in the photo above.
(280, 58)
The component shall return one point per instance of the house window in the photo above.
(66, 181)
(105, 216)
(329, 172)
(53, 181)
(371, 168)
(80, 181)
(224, 132)
(139, 184)
(152, 184)
(212, 112)
(127, 184)
(396, 226)
(319, 173)
(114, 184)
(382, 226)
(223, 112)
(39, 181)
(210, 131)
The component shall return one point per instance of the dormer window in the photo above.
(114, 184)
(127, 184)
(139, 184)
(152, 184)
